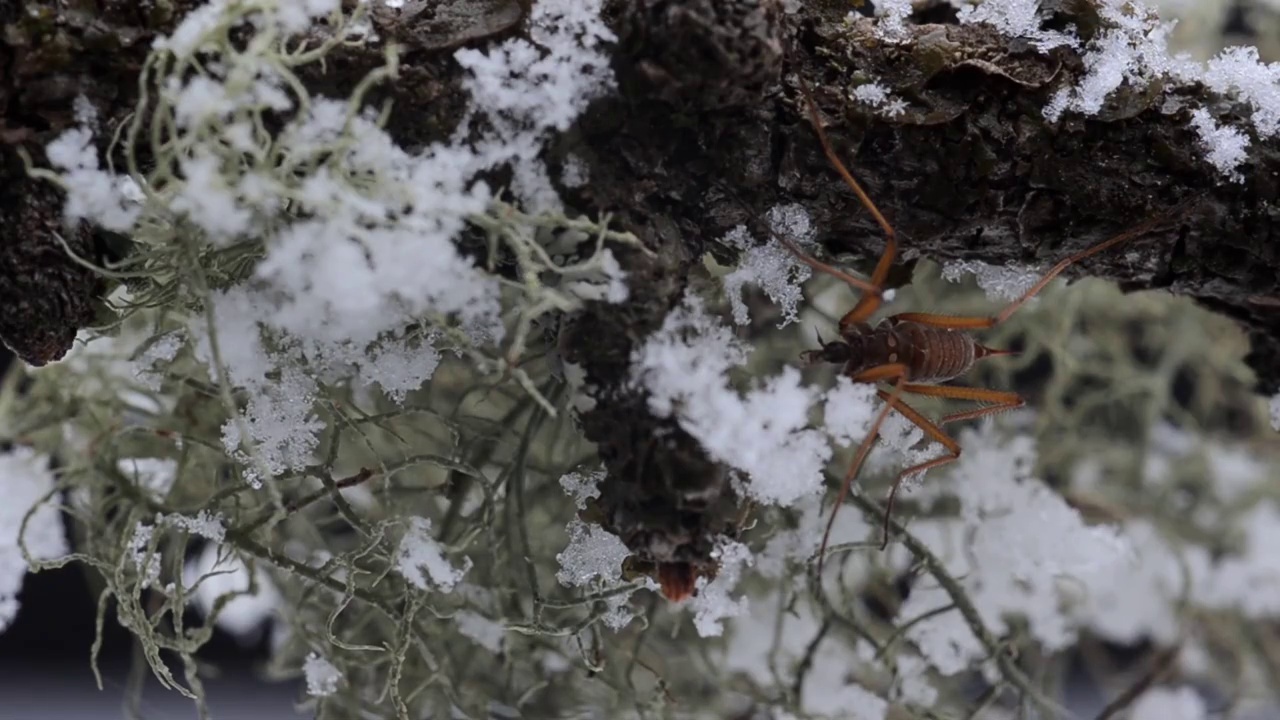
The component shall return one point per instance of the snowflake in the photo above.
(419, 550)
(322, 676)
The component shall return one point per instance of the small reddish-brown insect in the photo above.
(913, 352)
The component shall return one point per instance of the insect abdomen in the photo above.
(936, 354)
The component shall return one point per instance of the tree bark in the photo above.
(707, 132)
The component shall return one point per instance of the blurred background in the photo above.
(45, 672)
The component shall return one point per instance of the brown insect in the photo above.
(913, 352)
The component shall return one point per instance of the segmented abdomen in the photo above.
(931, 354)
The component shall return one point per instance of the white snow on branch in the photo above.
(770, 266)
(1018, 550)
(763, 432)
(368, 247)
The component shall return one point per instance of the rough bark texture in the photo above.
(707, 133)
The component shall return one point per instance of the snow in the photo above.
(1016, 18)
(26, 479)
(418, 551)
(218, 573)
(1003, 283)
(153, 475)
(582, 487)
(770, 266)
(321, 675)
(878, 96)
(593, 558)
(370, 246)
(593, 553)
(763, 433)
(486, 633)
(364, 258)
(1162, 703)
(1018, 550)
(1227, 147)
(210, 526)
(712, 604)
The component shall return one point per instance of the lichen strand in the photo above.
(973, 170)
(46, 296)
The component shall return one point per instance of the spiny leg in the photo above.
(1001, 400)
(828, 269)
(896, 373)
(978, 323)
(934, 432)
(869, 302)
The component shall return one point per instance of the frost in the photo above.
(92, 194)
(849, 410)
(1235, 471)
(1145, 589)
(827, 692)
(892, 16)
(1133, 48)
(1249, 582)
(418, 550)
(322, 676)
(801, 543)
(146, 562)
(161, 352)
(527, 90)
(913, 684)
(1237, 72)
(574, 172)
